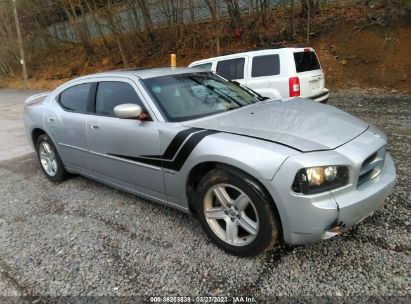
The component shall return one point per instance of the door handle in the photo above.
(95, 127)
(50, 119)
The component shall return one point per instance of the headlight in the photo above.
(319, 179)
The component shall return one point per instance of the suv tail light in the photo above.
(294, 83)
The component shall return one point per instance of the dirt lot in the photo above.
(83, 238)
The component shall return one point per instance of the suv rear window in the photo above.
(231, 69)
(306, 61)
(267, 65)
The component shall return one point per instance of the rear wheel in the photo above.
(236, 214)
(49, 159)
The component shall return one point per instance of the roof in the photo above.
(144, 73)
(252, 52)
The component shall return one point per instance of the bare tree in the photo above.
(93, 11)
(292, 27)
(148, 23)
(235, 14)
(110, 14)
(312, 5)
(75, 13)
(262, 9)
(8, 42)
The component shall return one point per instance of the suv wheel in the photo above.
(236, 214)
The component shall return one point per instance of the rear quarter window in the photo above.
(231, 69)
(76, 98)
(267, 65)
(205, 66)
(306, 61)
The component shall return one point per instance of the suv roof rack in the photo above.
(264, 48)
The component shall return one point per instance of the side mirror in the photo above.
(127, 110)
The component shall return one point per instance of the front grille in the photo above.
(372, 166)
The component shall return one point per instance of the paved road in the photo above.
(13, 140)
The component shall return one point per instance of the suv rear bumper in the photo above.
(321, 97)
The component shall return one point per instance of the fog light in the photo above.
(334, 231)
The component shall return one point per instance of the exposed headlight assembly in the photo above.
(319, 179)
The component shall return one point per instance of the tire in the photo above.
(49, 159)
(244, 225)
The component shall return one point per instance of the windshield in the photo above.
(192, 95)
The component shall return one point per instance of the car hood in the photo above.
(299, 123)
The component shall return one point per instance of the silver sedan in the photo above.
(256, 172)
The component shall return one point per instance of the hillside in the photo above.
(356, 46)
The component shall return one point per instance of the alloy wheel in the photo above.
(231, 214)
(48, 158)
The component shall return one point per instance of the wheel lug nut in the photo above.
(238, 216)
(226, 212)
(232, 219)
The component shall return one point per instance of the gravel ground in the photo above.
(83, 238)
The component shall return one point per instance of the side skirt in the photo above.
(131, 191)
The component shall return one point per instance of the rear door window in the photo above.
(76, 98)
(113, 93)
(306, 61)
(231, 69)
(267, 65)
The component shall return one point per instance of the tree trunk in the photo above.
(79, 29)
(292, 30)
(308, 23)
(234, 12)
(148, 23)
(97, 23)
(313, 5)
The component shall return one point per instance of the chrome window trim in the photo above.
(133, 81)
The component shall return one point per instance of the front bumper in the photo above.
(306, 218)
(354, 206)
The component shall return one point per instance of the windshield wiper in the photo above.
(217, 91)
(257, 95)
(222, 95)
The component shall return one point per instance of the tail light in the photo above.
(294, 83)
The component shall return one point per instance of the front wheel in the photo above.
(236, 214)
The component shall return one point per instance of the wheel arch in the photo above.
(199, 170)
(35, 134)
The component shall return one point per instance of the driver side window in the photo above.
(113, 93)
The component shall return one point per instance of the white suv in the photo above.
(274, 73)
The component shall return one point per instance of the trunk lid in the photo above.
(298, 123)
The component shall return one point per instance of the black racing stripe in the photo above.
(154, 162)
(177, 141)
(181, 157)
(186, 150)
